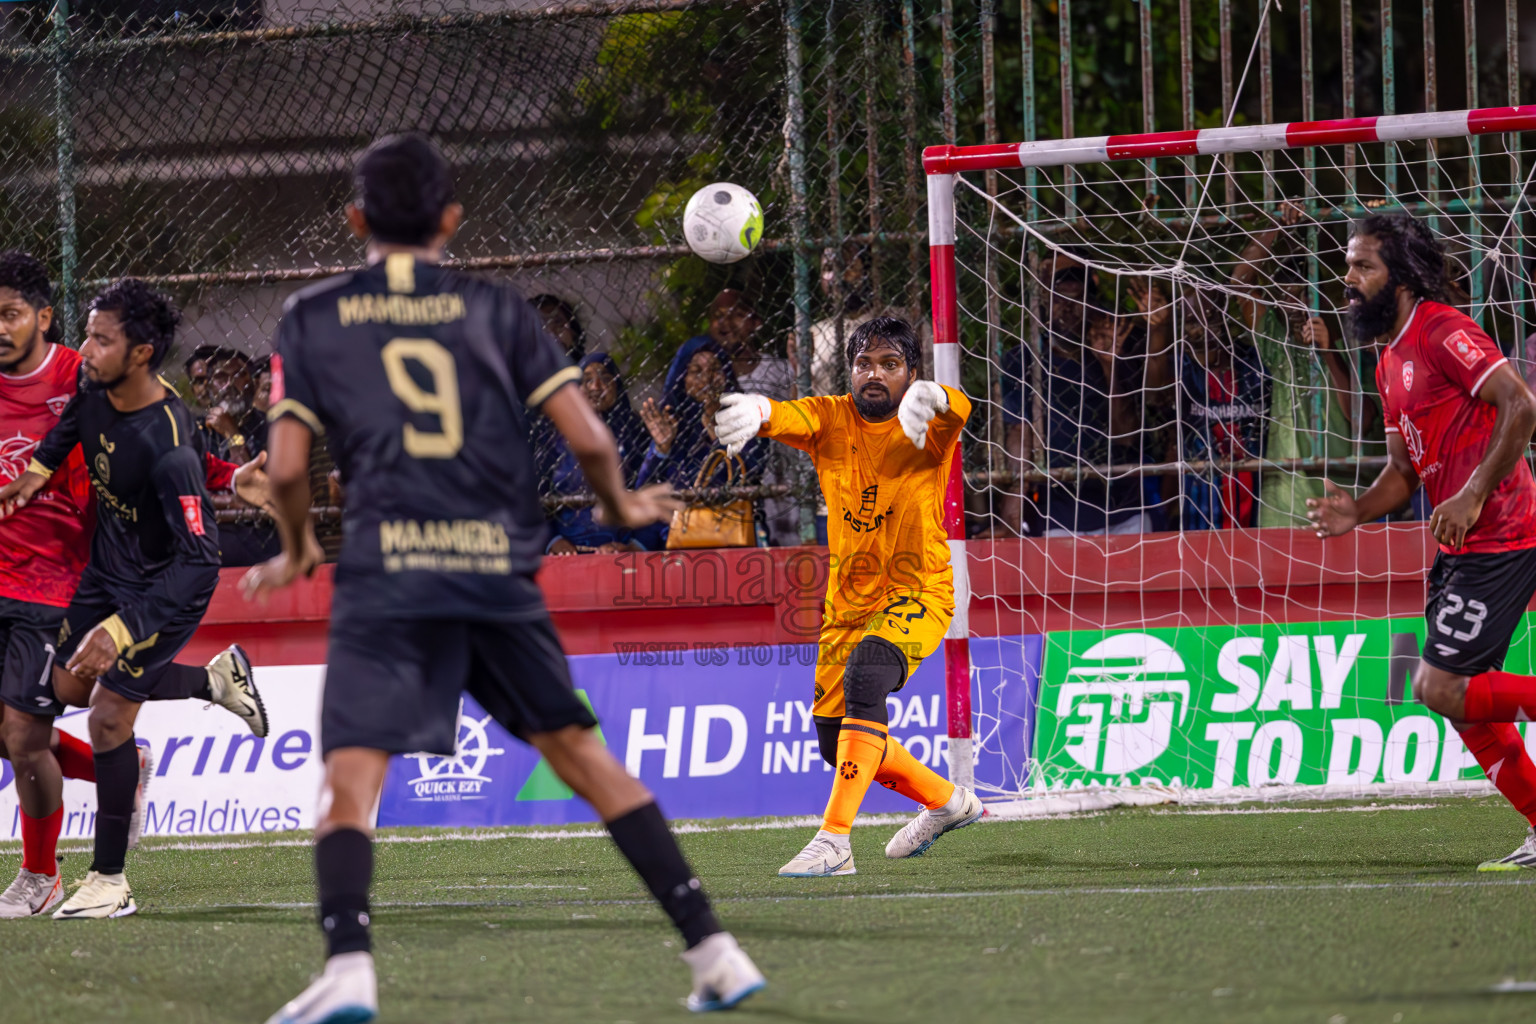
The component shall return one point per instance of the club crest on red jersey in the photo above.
(57, 403)
(1464, 349)
(15, 454)
(192, 512)
(1408, 376)
(1411, 437)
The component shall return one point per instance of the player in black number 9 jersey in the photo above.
(423, 381)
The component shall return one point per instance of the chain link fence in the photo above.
(208, 151)
(206, 147)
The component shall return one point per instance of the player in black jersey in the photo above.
(423, 380)
(153, 566)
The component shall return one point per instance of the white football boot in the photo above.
(826, 855)
(98, 896)
(32, 894)
(1524, 857)
(233, 686)
(136, 819)
(924, 830)
(723, 975)
(346, 993)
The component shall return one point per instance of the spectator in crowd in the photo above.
(733, 325)
(224, 387)
(683, 436)
(845, 283)
(1312, 387)
(261, 370)
(560, 320)
(234, 429)
(1105, 381)
(575, 529)
(1223, 405)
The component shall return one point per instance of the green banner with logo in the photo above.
(1222, 706)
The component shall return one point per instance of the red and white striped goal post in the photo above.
(941, 163)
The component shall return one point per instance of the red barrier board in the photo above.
(773, 595)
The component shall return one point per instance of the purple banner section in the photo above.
(714, 732)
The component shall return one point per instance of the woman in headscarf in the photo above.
(575, 529)
(683, 431)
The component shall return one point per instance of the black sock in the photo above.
(645, 841)
(117, 777)
(344, 870)
(182, 682)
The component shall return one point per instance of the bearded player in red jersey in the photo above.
(1458, 420)
(43, 551)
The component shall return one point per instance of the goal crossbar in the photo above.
(1236, 139)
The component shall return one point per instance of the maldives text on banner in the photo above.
(211, 775)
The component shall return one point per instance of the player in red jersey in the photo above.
(1458, 419)
(43, 551)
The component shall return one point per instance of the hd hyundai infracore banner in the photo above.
(715, 732)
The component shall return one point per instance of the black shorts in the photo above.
(1476, 602)
(139, 668)
(28, 635)
(394, 685)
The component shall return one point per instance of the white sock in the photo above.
(954, 803)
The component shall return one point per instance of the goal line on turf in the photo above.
(1086, 803)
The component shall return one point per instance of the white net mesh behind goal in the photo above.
(1165, 378)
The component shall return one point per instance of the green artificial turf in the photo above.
(1328, 915)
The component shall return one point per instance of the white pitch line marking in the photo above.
(153, 845)
(156, 844)
(1129, 890)
(1304, 810)
(1510, 985)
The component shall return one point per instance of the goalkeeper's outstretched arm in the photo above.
(1336, 512)
(745, 416)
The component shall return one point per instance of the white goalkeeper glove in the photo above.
(739, 419)
(923, 401)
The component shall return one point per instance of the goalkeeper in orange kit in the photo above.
(882, 454)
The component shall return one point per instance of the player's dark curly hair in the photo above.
(403, 187)
(148, 318)
(25, 274)
(1414, 257)
(892, 330)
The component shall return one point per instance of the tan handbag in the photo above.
(729, 525)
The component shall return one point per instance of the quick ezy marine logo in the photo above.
(462, 776)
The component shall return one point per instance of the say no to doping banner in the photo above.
(1214, 708)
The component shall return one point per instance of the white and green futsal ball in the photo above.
(723, 222)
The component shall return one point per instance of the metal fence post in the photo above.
(799, 221)
(64, 135)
